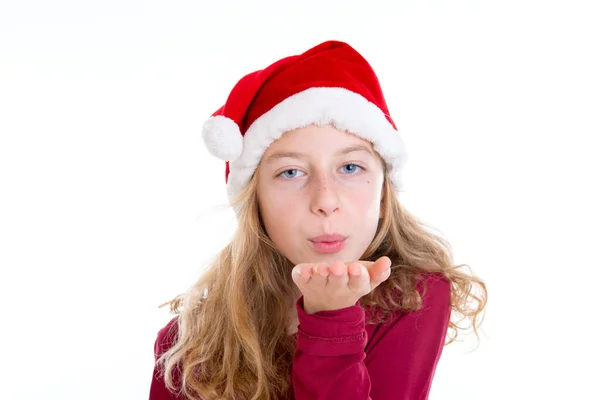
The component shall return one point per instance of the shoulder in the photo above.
(434, 311)
(166, 337)
(436, 302)
(434, 288)
(406, 350)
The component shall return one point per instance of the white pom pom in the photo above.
(223, 138)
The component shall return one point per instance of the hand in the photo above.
(339, 285)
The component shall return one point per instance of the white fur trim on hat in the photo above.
(222, 138)
(344, 109)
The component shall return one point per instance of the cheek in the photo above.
(368, 206)
(279, 213)
(367, 199)
(281, 223)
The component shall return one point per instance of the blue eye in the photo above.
(287, 174)
(348, 169)
(351, 168)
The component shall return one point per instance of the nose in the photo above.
(324, 197)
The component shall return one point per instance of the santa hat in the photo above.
(328, 84)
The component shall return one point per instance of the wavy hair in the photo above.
(232, 340)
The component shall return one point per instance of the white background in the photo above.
(110, 204)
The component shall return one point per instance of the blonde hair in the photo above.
(232, 340)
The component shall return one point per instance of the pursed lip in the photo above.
(329, 238)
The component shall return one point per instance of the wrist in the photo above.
(310, 307)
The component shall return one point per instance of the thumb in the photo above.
(378, 270)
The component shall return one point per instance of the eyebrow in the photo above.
(294, 154)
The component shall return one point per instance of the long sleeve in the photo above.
(164, 339)
(338, 357)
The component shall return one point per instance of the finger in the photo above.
(380, 274)
(379, 279)
(358, 277)
(338, 276)
(376, 268)
(302, 273)
(381, 266)
(319, 275)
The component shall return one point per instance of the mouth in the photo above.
(328, 244)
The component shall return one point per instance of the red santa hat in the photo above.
(328, 84)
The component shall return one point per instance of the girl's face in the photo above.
(317, 181)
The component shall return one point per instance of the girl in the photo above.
(329, 289)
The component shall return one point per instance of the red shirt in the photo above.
(338, 356)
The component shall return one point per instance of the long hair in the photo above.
(232, 340)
